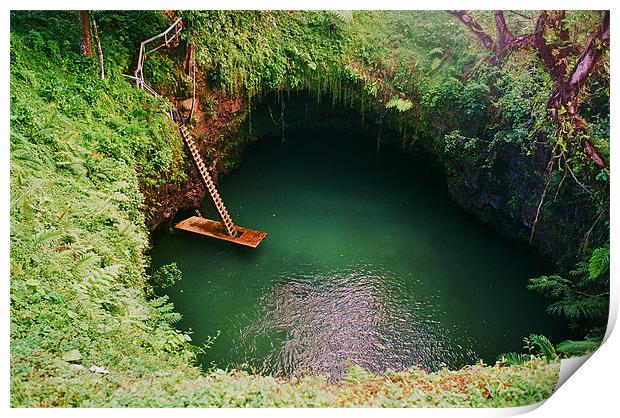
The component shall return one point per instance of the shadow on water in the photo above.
(367, 260)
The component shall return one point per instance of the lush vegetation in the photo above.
(488, 124)
(82, 149)
(482, 120)
(583, 299)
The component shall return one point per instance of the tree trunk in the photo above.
(86, 42)
(508, 41)
(563, 103)
(475, 27)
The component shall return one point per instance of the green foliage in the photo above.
(345, 15)
(400, 104)
(542, 345)
(599, 263)
(583, 299)
(579, 348)
(166, 276)
(513, 358)
(251, 51)
(82, 149)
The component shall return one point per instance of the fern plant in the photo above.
(599, 263)
(345, 15)
(583, 299)
(541, 345)
(579, 348)
(512, 358)
(400, 104)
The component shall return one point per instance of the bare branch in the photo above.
(475, 27)
(521, 14)
(506, 39)
(100, 51)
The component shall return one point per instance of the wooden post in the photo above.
(96, 32)
(193, 70)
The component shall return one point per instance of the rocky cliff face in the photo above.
(504, 197)
(215, 121)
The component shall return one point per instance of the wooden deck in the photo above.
(202, 226)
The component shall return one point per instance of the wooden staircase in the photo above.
(231, 229)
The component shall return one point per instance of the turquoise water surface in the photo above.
(367, 260)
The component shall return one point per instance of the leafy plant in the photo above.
(542, 345)
(579, 348)
(166, 276)
(582, 299)
(400, 104)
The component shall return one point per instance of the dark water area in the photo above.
(367, 260)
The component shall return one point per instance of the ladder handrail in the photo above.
(177, 25)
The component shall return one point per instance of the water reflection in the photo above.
(313, 323)
(367, 260)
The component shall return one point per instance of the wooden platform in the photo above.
(202, 226)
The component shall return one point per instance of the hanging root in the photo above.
(575, 177)
(549, 170)
(537, 218)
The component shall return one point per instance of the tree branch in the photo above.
(507, 40)
(556, 68)
(564, 97)
(475, 27)
(594, 50)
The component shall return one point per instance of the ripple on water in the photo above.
(317, 323)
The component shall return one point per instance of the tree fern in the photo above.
(579, 348)
(599, 263)
(400, 104)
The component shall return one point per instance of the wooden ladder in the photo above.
(231, 229)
